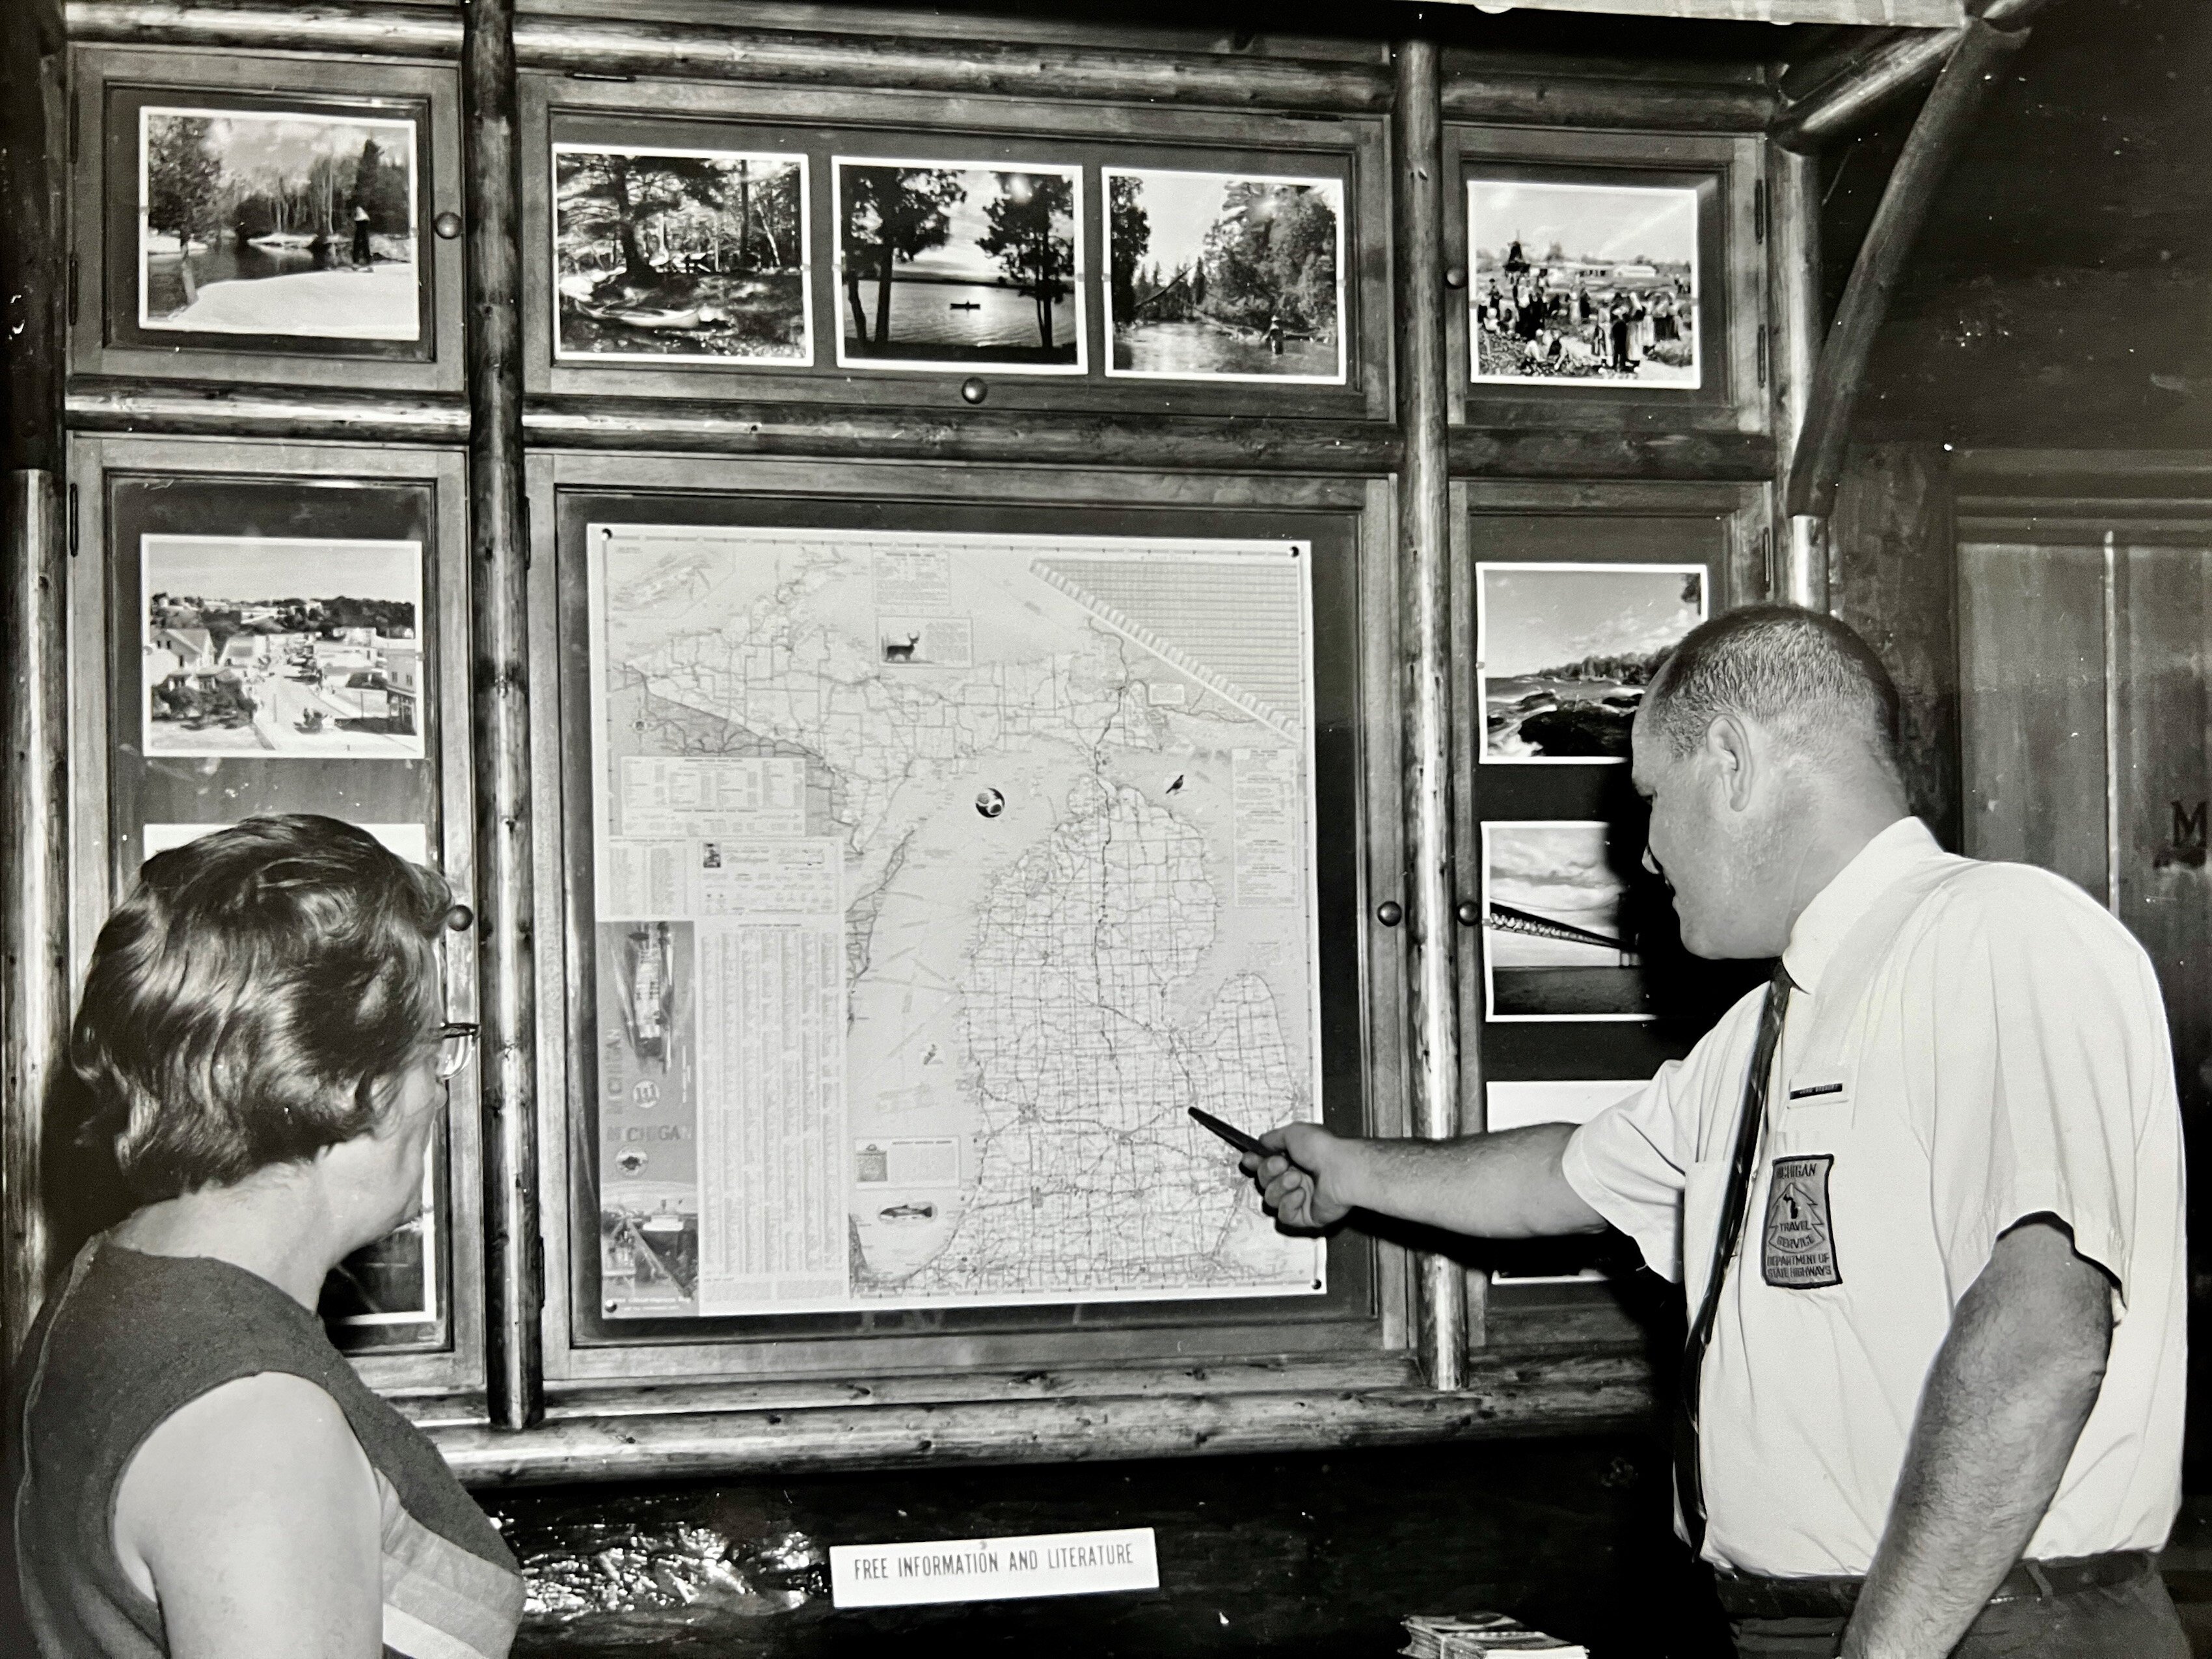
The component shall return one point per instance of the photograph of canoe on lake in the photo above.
(255, 222)
(1582, 282)
(952, 264)
(1552, 944)
(1224, 276)
(1563, 653)
(282, 645)
(679, 255)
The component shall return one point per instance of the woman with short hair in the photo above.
(197, 1472)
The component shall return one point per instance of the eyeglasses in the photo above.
(457, 1045)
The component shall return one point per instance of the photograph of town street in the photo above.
(954, 264)
(675, 255)
(1582, 282)
(256, 221)
(1563, 653)
(1225, 276)
(281, 646)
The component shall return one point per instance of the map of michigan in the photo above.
(1035, 799)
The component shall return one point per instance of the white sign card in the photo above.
(992, 1569)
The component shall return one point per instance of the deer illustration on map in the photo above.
(894, 652)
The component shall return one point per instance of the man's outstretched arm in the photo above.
(1506, 1185)
(2011, 1386)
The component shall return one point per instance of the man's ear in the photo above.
(1733, 758)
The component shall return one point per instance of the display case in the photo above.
(266, 219)
(278, 628)
(883, 248)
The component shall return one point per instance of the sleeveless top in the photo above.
(134, 1338)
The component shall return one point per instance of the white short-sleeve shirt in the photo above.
(1969, 1045)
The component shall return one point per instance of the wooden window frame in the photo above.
(441, 1385)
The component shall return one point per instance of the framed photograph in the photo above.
(675, 256)
(1583, 283)
(1224, 276)
(1554, 944)
(282, 646)
(288, 223)
(955, 265)
(1563, 653)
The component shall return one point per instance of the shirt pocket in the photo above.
(1816, 1103)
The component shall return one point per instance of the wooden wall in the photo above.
(2059, 297)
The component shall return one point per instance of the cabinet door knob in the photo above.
(461, 918)
(1390, 913)
(1469, 912)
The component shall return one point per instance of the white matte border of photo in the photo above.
(1697, 380)
(1524, 1104)
(399, 123)
(1489, 965)
(1079, 281)
(412, 750)
(805, 357)
(1482, 569)
(1107, 175)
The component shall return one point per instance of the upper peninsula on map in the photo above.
(1072, 784)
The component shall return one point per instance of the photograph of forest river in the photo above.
(1221, 276)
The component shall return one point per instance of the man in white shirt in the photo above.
(1923, 1191)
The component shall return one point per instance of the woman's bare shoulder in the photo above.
(241, 1469)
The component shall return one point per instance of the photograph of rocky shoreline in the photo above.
(1565, 651)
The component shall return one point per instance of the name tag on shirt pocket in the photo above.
(1798, 1249)
(1815, 1097)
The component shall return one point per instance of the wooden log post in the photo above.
(499, 565)
(1798, 572)
(1934, 141)
(1425, 569)
(34, 942)
(1827, 97)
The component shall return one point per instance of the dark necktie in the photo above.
(1687, 1484)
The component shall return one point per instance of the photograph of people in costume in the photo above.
(676, 255)
(951, 266)
(1582, 282)
(256, 221)
(1225, 276)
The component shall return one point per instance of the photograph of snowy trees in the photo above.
(260, 222)
(677, 255)
(1225, 276)
(948, 264)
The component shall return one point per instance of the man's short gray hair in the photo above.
(1799, 672)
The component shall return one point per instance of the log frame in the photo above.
(499, 560)
(1425, 551)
